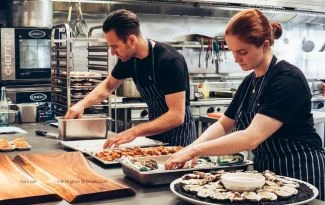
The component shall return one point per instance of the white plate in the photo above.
(24, 148)
(8, 150)
(199, 202)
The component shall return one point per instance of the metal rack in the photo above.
(69, 86)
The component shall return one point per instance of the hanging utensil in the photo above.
(307, 45)
(82, 25)
(200, 51)
(69, 22)
(208, 54)
(74, 26)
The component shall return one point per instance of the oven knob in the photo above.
(144, 113)
(210, 110)
(218, 109)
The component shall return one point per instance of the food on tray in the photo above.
(5, 145)
(202, 162)
(20, 143)
(230, 159)
(112, 154)
(208, 187)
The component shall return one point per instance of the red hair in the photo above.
(252, 26)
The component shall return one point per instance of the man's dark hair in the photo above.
(123, 22)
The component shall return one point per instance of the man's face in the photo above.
(123, 50)
(248, 56)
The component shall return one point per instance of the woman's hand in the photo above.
(179, 159)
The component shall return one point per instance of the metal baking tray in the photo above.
(88, 127)
(91, 147)
(156, 177)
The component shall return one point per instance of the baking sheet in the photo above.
(156, 177)
(91, 147)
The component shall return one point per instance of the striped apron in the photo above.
(182, 135)
(281, 154)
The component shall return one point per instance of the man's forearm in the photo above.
(96, 96)
(214, 131)
(161, 124)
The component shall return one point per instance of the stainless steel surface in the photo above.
(30, 13)
(157, 177)
(158, 195)
(84, 128)
(28, 112)
(8, 53)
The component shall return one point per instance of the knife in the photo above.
(47, 134)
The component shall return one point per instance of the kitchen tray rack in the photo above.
(68, 85)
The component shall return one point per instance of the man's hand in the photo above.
(75, 111)
(121, 138)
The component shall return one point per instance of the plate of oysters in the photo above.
(208, 188)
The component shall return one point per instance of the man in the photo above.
(161, 76)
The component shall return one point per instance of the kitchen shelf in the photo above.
(64, 77)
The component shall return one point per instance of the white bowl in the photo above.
(241, 181)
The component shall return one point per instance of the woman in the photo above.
(270, 113)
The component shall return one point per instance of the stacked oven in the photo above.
(25, 67)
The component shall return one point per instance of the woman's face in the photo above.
(248, 56)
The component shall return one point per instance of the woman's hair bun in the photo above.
(277, 30)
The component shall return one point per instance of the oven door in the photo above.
(33, 48)
(25, 54)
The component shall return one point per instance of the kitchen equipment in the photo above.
(25, 55)
(156, 177)
(18, 186)
(30, 13)
(307, 44)
(88, 127)
(28, 112)
(70, 176)
(82, 25)
(47, 134)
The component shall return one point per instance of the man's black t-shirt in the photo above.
(171, 73)
(286, 97)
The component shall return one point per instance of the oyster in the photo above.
(192, 187)
(204, 193)
(251, 196)
(235, 196)
(150, 163)
(269, 196)
(220, 195)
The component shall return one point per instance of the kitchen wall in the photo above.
(174, 28)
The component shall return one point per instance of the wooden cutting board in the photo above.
(70, 176)
(17, 187)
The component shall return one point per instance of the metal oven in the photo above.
(25, 55)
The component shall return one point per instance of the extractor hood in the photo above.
(294, 11)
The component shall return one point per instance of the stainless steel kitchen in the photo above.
(162, 102)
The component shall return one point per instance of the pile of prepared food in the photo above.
(208, 187)
(202, 162)
(17, 144)
(113, 154)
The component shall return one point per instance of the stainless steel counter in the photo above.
(144, 194)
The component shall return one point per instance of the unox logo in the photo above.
(36, 34)
(38, 97)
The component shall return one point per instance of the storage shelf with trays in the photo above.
(69, 86)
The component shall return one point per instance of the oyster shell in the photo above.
(251, 196)
(269, 196)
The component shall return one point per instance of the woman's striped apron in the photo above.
(182, 135)
(283, 155)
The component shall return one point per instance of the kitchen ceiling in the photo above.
(293, 11)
